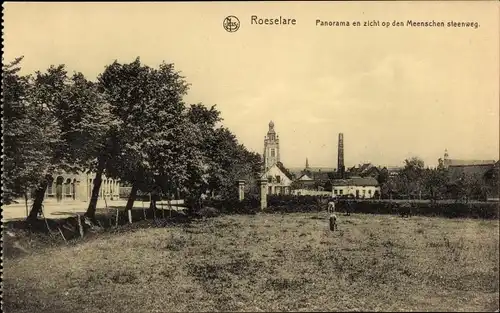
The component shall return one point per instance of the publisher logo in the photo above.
(231, 23)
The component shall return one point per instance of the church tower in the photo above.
(271, 147)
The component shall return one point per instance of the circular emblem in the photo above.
(231, 23)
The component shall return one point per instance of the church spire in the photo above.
(307, 163)
(271, 147)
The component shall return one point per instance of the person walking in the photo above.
(331, 205)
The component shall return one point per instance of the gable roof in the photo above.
(284, 170)
(305, 178)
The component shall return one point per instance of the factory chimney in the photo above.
(340, 164)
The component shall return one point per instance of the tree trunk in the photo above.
(26, 203)
(152, 204)
(37, 203)
(131, 197)
(95, 190)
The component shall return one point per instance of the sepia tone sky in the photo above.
(393, 92)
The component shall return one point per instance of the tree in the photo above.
(411, 177)
(383, 176)
(435, 182)
(149, 137)
(73, 108)
(491, 180)
(30, 134)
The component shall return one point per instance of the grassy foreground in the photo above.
(267, 262)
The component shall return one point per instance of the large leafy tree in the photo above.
(230, 162)
(411, 176)
(30, 134)
(148, 137)
(435, 182)
(74, 110)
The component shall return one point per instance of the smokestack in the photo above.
(340, 164)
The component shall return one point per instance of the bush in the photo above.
(288, 204)
(249, 205)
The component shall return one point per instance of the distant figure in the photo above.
(331, 206)
(333, 222)
(348, 205)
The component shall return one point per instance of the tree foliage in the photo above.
(30, 134)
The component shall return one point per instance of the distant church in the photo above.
(485, 170)
(279, 179)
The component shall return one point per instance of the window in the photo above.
(269, 179)
(370, 192)
(278, 179)
(272, 152)
(341, 191)
(335, 191)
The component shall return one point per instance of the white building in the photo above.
(78, 187)
(277, 181)
(278, 178)
(360, 187)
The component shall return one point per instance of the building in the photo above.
(485, 171)
(278, 182)
(446, 162)
(364, 170)
(359, 187)
(394, 170)
(271, 148)
(78, 187)
(279, 179)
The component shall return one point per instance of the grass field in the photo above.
(267, 262)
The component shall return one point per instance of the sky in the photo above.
(394, 92)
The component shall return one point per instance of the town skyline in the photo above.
(408, 97)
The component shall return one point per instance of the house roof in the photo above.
(320, 175)
(355, 181)
(284, 170)
(305, 178)
(456, 171)
(457, 162)
(312, 169)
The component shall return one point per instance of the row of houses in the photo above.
(360, 181)
(314, 181)
(309, 182)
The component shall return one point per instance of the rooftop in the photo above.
(355, 181)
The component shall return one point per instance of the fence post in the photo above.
(263, 193)
(241, 190)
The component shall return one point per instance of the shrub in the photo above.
(288, 204)
(249, 205)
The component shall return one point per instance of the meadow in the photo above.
(266, 262)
